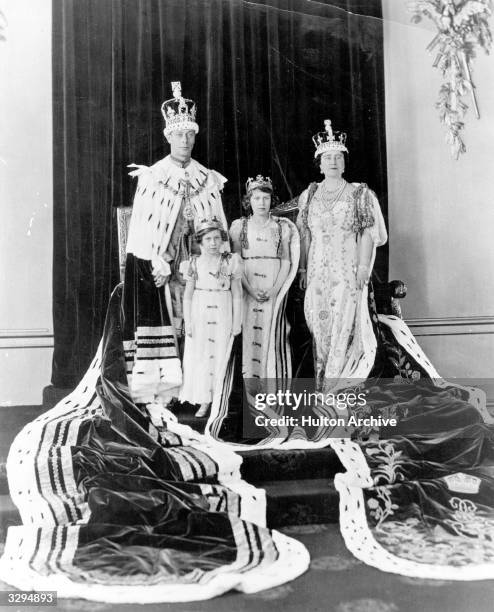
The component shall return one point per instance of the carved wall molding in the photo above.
(452, 326)
(26, 338)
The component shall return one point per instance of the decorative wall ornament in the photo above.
(3, 26)
(462, 28)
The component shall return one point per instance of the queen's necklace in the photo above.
(330, 196)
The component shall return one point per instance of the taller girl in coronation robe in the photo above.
(269, 247)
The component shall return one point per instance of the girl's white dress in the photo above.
(212, 315)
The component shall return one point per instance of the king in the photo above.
(172, 196)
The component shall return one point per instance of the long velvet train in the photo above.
(420, 500)
(110, 500)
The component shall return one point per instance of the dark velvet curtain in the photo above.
(264, 74)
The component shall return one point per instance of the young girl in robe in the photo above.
(269, 247)
(212, 314)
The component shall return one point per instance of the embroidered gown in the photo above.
(211, 313)
(335, 309)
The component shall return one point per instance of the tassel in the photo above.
(279, 248)
(244, 242)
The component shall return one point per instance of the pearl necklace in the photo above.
(332, 196)
(330, 192)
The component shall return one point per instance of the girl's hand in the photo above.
(302, 279)
(188, 330)
(236, 330)
(363, 274)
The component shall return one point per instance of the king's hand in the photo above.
(161, 271)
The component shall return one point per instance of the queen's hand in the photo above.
(363, 274)
(302, 279)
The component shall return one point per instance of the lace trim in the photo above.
(222, 271)
(304, 210)
(363, 215)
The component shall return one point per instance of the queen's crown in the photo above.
(329, 140)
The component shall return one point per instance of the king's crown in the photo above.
(179, 113)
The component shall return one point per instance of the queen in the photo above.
(341, 225)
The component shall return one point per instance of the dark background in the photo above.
(264, 75)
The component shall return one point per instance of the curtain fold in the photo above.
(264, 75)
